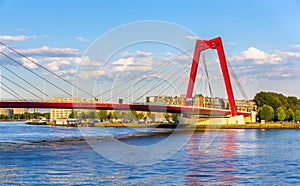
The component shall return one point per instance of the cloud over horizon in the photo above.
(16, 38)
(47, 51)
(254, 63)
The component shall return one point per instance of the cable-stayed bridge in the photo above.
(187, 108)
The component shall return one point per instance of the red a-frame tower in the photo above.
(201, 45)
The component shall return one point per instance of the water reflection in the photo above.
(225, 157)
(227, 168)
(193, 177)
(216, 164)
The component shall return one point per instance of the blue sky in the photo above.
(261, 38)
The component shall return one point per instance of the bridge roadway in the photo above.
(116, 106)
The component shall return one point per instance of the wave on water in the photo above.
(17, 144)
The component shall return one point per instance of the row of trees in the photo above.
(26, 115)
(105, 115)
(277, 107)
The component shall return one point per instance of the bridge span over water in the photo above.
(116, 106)
(187, 108)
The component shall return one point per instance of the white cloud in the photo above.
(124, 61)
(136, 54)
(294, 46)
(258, 56)
(57, 65)
(49, 52)
(94, 73)
(288, 55)
(30, 64)
(260, 65)
(142, 54)
(85, 61)
(132, 64)
(75, 60)
(83, 39)
(191, 37)
(19, 38)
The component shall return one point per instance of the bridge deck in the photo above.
(115, 106)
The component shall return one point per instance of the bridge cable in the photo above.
(21, 87)
(164, 65)
(185, 68)
(154, 87)
(23, 80)
(5, 90)
(36, 74)
(177, 79)
(237, 81)
(159, 83)
(15, 93)
(127, 87)
(206, 73)
(51, 72)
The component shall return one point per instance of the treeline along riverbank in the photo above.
(277, 107)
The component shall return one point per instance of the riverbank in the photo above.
(252, 126)
(199, 126)
(288, 125)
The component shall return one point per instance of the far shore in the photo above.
(267, 125)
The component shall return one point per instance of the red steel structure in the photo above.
(200, 46)
(216, 44)
(116, 106)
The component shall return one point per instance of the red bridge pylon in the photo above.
(201, 45)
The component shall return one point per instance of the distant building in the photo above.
(201, 101)
(57, 113)
(164, 100)
(7, 111)
(20, 110)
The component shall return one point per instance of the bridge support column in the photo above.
(201, 45)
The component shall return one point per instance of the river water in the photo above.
(49, 155)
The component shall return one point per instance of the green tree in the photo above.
(289, 114)
(2, 116)
(134, 113)
(268, 98)
(280, 113)
(174, 116)
(46, 115)
(102, 114)
(141, 115)
(297, 115)
(167, 116)
(72, 114)
(292, 103)
(110, 116)
(117, 114)
(36, 115)
(266, 112)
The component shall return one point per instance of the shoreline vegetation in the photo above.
(275, 107)
(274, 111)
(267, 125)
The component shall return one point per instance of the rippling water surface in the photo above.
(60, 155)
